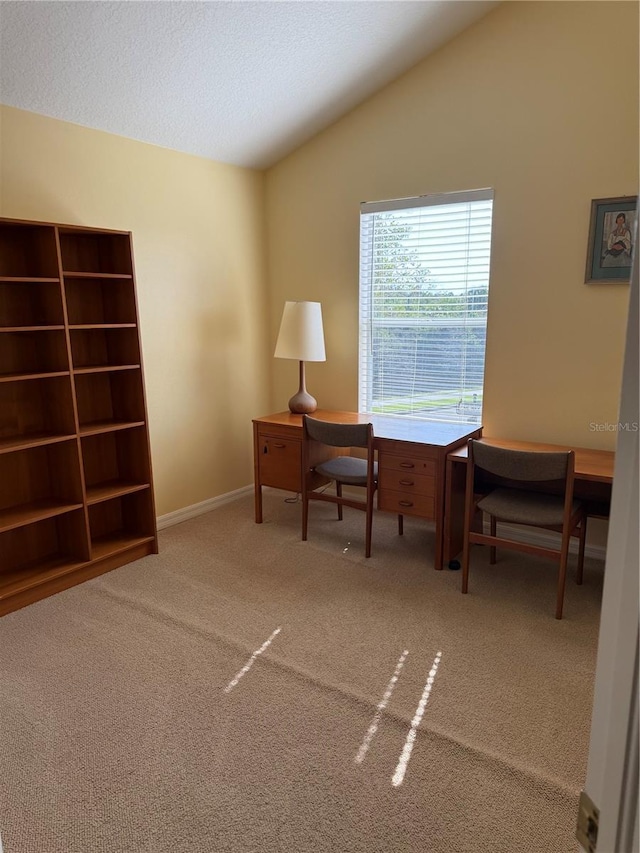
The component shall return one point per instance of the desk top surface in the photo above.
(433, 433)
(595, 465)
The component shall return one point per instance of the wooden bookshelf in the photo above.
(76, 489)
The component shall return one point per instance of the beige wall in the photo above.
(198, 237)
(538, 101)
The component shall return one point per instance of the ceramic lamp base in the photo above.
(302, 403)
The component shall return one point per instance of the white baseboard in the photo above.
(187, 512)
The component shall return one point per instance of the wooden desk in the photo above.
(593, 481)
(411, 461)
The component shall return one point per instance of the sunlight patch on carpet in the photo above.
(245, 669)
(405, 755)
(382, 704)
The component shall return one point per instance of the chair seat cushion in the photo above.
(522, 507)
(347, 469)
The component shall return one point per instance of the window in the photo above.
(424, 286)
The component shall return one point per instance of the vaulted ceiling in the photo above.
(238, 82)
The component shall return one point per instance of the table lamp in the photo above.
(301, 337)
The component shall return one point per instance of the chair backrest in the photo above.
(524, 465)
(338, 435)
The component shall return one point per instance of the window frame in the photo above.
(368, 318)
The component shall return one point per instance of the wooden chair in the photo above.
(342, 468)
(531, 488)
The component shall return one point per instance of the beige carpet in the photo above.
(117, 734)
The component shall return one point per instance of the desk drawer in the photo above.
(280, 461)
(407, 482)
(407, 464)
(390, 500)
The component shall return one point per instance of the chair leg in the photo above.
(400, 525)
(339, 494)
(465, 562)
(492, 550)
(562, 574)
(582, 540)
(305, 514)
(367, 551)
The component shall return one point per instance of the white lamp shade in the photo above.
(301, 335)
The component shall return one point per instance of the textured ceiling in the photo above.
(235, 81)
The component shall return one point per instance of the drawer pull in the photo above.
(407, 465)
(279, 446)
(407, 483)
(405, 503)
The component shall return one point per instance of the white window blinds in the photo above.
(424, 286)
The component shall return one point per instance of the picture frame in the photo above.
(613, 233)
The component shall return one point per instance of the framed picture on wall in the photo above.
(613, 233)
